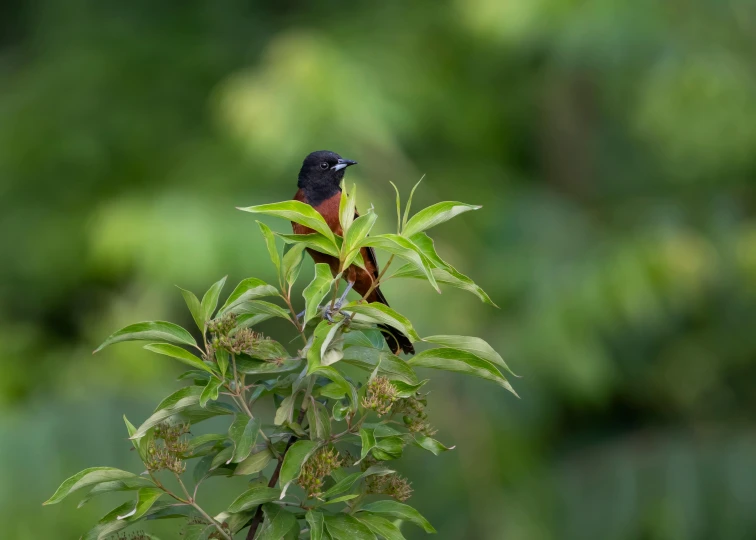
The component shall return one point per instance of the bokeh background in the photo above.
(612, 144)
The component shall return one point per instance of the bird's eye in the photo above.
(324, 165)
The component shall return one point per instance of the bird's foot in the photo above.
(332, 309)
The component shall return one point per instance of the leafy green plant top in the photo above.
(346, 408)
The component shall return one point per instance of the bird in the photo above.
(319, 186)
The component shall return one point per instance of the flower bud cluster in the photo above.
(168, 455)
(393, 485)
(315, 469)
(415, 417)
(136, 535)
(381, 396)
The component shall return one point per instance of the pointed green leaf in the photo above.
(389, 365)
(357, 233)
(183, 403)
(404, 248)
(315, 241)
(460, 362)
(278, 522)
(315, 521)
(248, 289)
(400, 511)
(381, 313)
(221, 356)
(254, 497)
(295, 457)
(380, 526)
(270, 243)
(145, 499)
(292, 263)
(86, 478)
(367, 437)
(473, 345)
(285, 412)
(210, 300)
(432, 445)
(317, 289)
(254, 463)
(260, 307)
(409, 202)
(180, 354)
(267, 369)
(150, 331)
(194, 307)
(435, 215)
(398, 209)
(346, 527)
(243, 433)
(131, 484)
(347, 208)
(295, 211)
(210, 392)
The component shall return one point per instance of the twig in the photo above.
(377, 281)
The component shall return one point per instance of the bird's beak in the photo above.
(343, 164)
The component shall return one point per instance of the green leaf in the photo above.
(473, 345)
(180, 354)
(194, 307)
(398, 209)
(446, 273)
(285, 412)
(294, 458)
(221, 356)
(315, 241)
(432, 445)
(347, 208)
(321, 338)
(267, 369)
(389, 365)
(248, 289)
(332, 374)
(150, 331)
(260, 307)
(254, 497)
(357, 233)
(201, 440)
(254, 463)
(460, 361)
(131, 428)
(381, 313)
(346, 483)
(407, 390)
(86, 478)
(243, 432)
(380, 526)
(409, 202)
(210, 300)
(319, 420)
(210, 392)
(315, 521)
(292, 263)
(317, 289)
(404, 248)
(131, 484)
(346, 527)
(270, 242)
(435, 215)
(367, 437)
(295, 211)
(145, 499)
(278, 522)
(341, 499)
(400, 511)
(185, 404)
(389, 447)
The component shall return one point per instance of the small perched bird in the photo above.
(320, 187)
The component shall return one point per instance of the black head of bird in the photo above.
(322, 172)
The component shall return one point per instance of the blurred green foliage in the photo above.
(611, 144)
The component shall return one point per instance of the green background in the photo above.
(611, 144)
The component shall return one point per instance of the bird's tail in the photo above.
(395, 339)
